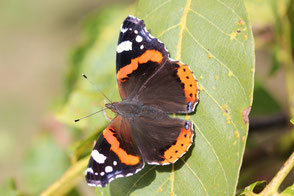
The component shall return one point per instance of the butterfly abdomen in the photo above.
(135, 109)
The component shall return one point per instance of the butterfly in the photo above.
(151, 86)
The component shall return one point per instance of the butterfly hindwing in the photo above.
(162, 141)
(173, 88)
(112, 156)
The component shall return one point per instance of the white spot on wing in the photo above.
(142, 47)
(123, 30)
(136, 32)
(139, 169)
(108, 169)
(131, 16)
(115, 177)
(187, 125)
(124, 46)
(139, 39)
(153, 163)
(96, 185)
(89, 170)
(99, 158)
(111, 179)
(165, 48)
(152, 36)
(114, 163)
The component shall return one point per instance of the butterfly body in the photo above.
(134, 109)
(151, 86)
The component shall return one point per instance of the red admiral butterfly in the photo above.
(151, 86)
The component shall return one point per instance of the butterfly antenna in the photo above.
(89, 115)
(96, 87)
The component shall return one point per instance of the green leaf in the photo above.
(215, 39)
(292, 121)
(204, 35)
(289, 191)
(254, 189)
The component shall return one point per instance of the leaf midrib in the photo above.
(183, 27)
(183, 23)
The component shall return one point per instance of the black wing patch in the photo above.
(113, 157)
(134, 40)
(138, 56)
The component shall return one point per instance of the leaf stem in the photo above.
(273, 186)
(68, 180)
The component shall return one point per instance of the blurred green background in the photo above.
(41, 42)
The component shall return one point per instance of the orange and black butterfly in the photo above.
(151, 86)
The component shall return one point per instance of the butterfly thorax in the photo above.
(134, 109)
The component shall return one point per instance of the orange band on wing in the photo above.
(190, 83)
(148, 55)
(121, 153)
(177, 150)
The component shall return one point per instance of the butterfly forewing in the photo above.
(138, 56)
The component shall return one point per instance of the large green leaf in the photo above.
(212, 36)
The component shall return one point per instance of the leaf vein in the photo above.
(162, 185)
(219, 61)
(172, 182)
(216, 156)
(218, 104)
(149, 170)
(232, 10)
(201, 183)
(157, 8)
(183, 26)
(168, 29)
(218, 28)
